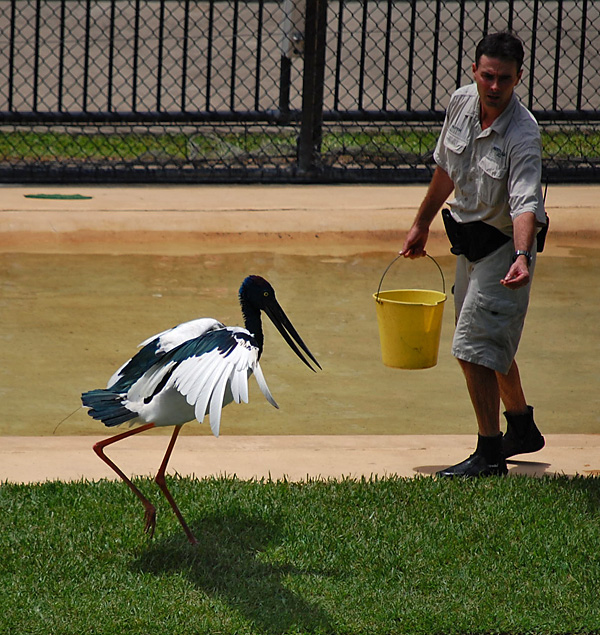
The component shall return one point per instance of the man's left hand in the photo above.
(518, 275)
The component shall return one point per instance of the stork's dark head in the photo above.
(257, 291)
(256, 295)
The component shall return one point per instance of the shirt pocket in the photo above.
(492, 181)
(455, 148)
(455, 144)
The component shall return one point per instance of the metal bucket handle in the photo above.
(401, 256)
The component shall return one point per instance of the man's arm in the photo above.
(439, 190)
(524, 229)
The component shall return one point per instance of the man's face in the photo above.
(496, 80)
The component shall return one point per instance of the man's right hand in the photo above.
(414, 244)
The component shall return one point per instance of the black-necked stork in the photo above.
(187, 372)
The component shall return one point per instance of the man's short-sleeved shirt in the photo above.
(496, 172)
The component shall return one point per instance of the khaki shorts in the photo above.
(489, 317)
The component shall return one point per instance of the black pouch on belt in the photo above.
(541, 236)
(474, 240)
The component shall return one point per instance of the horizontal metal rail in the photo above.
(267, 117)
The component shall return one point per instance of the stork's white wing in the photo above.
(213, 370)
(153, 348)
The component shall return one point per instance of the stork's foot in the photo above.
(150, 518)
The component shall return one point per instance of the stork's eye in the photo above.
(266, 294)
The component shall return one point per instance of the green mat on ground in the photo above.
(70, 197)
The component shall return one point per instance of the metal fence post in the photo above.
(293, 24)
(309, 143)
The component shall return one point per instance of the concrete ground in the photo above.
(296, 219)
(176, 218)
(32, 459)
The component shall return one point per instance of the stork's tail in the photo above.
(107, 406)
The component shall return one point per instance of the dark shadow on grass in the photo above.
(588, 486)
(228, 564)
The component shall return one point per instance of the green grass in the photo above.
(33, 146)
(414, 556)
(56, 146)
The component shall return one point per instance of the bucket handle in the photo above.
(401, 256)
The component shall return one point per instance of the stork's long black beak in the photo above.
(288, 332)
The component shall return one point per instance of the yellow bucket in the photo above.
(410, 324)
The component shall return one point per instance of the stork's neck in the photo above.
(253, 323)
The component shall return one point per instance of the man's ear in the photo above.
(519, 75)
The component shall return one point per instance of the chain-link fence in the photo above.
(222, 90)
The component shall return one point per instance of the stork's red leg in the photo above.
(150, 514)
(160, 480)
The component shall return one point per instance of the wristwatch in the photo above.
(522, 252)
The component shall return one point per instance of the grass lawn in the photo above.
(50, 146)
(385, 556)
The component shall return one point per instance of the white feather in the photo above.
(146, 385)
(217, 386)
(194, 373)
(262, 384)
(239, 385)
(216, 402)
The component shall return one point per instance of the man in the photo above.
(489, 154)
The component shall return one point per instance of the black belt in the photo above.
(475, 240)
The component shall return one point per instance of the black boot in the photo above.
(522, 435)
(487, 460)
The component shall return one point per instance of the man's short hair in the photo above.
(504, 45)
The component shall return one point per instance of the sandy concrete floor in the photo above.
(301, 219)
(307, 219)
(33, 459)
